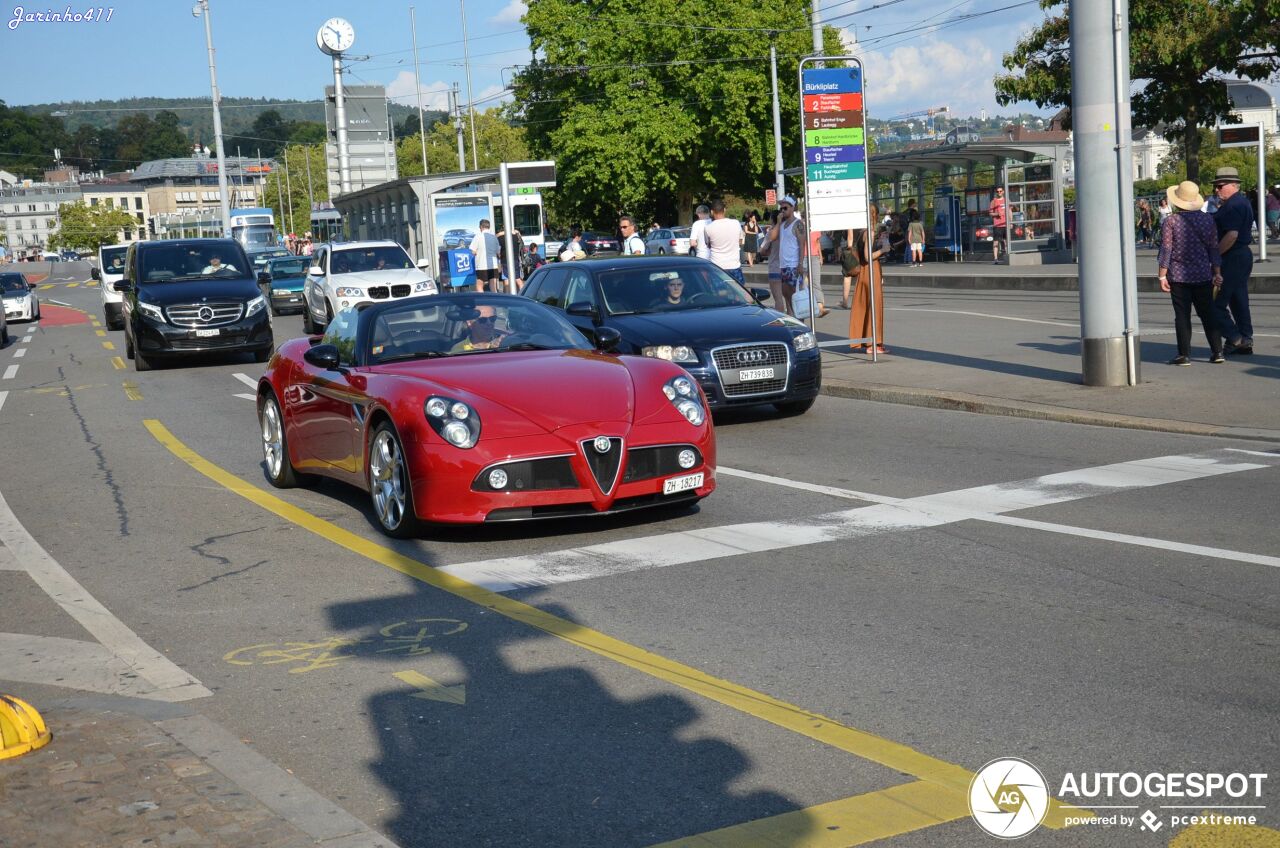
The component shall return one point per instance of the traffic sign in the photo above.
(832, 102)
(835, 144)
(531, 174)
(771, 197)
(1238, 135)
(832, 120)
(848, 153)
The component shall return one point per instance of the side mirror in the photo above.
(122, 285)
(95, 273)
(608, 339)
(584, 308)
(761, 294)
(264, 278)
(315, 271)
(322, 356)
(424, 264)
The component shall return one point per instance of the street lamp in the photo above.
(202, 8)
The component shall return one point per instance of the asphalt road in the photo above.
(801, 638)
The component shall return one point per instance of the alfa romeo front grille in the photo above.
(604, 464)
(204, 314)
(659, 461)
(732, 361)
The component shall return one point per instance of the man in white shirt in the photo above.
(632, 244)
(698, 244)
(485, 248)
(724, 242)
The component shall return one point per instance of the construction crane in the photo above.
(923, 113)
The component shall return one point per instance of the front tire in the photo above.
(275, 447)
(140, 362)
(308, 322)
(389, 486)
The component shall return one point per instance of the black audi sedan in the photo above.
(692, 313)
(192, 296)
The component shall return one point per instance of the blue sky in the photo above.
(919, 53)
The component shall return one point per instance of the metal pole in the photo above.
(455, 95)
(1262, 192)
(1104, 201)
(466, 58)
(508, 240)
(779, 180)
(340, 118)
(223, 190)
(279, 196)
(417, 82)
(288, 186)
(311, 201)
(816, 19)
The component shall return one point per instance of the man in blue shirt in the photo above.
(1234, 220)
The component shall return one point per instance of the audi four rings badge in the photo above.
(748, 356)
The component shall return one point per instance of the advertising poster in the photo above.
(456, 218)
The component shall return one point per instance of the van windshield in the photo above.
(192, 262)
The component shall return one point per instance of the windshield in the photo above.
(178, 262)
(255, 235)
(369, 259)
(630, 291)
(467, 326)
(12, 284)
(282, 269)
(113, 259)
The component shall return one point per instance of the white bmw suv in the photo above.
(351, 273)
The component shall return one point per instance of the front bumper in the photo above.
(445, 478)
(803, 381)
(19, 310)
(167, 340)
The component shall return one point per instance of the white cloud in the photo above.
(435, 95)
(932, 73)
(511, 13)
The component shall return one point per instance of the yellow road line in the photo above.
(102, 333)
(117, 363)
(847, 822)
(108, 345)
(131, 391)
(72, 285)
(949, 777)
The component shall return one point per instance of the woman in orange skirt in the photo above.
(860, 314)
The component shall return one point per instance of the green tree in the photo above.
(295, 217)
(166, 139)
(496, 141)
(29, 140)
(643, 118)
(1178, 52)
(87, 227)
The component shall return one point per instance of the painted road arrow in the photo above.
(433, 691)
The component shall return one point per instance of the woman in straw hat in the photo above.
(1191, 269)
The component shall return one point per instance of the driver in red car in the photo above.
(481, 332)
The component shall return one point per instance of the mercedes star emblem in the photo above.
(748, 356)
(601, 444)
(206, 314)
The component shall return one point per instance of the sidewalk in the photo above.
(123, 773)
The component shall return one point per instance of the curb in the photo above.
(982, 405)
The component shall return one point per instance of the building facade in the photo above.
(191, 184)
(125, 197)
(29, 212)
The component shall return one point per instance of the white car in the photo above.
(110, 271)
(351, 273)
(20, 300)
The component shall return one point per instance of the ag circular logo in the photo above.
(1008, 798)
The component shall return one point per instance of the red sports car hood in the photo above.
(552, 389)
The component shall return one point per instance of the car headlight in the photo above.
(671, 353)
(685, 397)
(804, 341)
(349, 291)
(424, 286)
(151, 311)
(454, 421)
(255, 306)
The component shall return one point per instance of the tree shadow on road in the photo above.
(553, 745)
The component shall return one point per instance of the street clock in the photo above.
(335, 36)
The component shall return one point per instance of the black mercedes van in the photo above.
(192, 296)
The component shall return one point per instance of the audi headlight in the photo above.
(804, 341)
(255, 306)
(685, 397)
(671, 353)
(454, 421)
(349, 291)
(152, 311)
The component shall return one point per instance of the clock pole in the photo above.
(340, 118)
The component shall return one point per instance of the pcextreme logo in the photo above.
(1008, 798)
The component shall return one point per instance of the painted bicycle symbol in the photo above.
(407, 637)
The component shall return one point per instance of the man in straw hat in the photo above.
(1234, 220)
(1190, 269)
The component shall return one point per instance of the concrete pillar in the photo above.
(1100, 110)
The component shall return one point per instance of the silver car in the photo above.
(20, 300)
(668, 240)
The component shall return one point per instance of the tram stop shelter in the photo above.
(1031, 166)
(408, 211)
